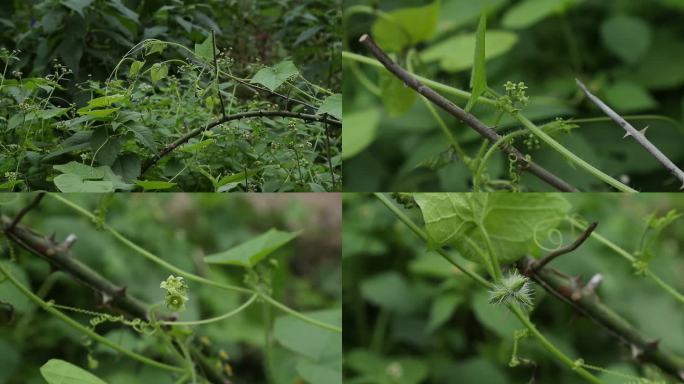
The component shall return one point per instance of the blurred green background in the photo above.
(182, 229)
(630, 53)
(410, 317)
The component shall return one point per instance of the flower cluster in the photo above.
(176, 291)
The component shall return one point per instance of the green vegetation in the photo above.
(513, 288)
(183, 288)
(513, 65)
(134, 95)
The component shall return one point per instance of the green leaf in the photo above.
(390, 291)
(192, 148)
(205, 50)
(98, 113)
(105, 147)
(249, 253)
(136, 66)
(320, 373)
(453, 53)
(627, 37)
(332, 105)
(529, 12)
(104, 101)
(52, 112)
(77, 5)
(359, 131)
(627, 97)
(144, 135)
(316, 343)
(406, 26)
(158, 72)
(478, 77)
(274, 77)
(442, 309)
(70, 182)
(512, 221)
(154, 185)
(85, 171)
(396, 97)
(155, 46)
(61, 372)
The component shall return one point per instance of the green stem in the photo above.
(431, 83)
(217, 318)
(76, 325)
(146, 253)
(188, 275)
(558, 147)
(450, 136)
(299, 315)
(552, 348)
(629, 257)
(521, 119)
(268, 342)
(420, 233)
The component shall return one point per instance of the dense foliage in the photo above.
(138, 92)
(281, 247)
(628, 52)
(413, 317)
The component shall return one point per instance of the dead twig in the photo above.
(567, 249)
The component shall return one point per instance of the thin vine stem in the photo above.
(557, 353)
(450, 136)
(232, 313)
(420, 233)
(629, 257)
(298, 315)
(76, 325)
(191, 276)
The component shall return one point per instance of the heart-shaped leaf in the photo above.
(511, 221)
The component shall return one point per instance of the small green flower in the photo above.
(176, 291)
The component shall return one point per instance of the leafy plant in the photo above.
(177, 317)
(531, 130)
(183, 109)
(466, 307)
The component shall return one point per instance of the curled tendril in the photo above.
(552, 236)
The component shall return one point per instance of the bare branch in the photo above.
(243, 115)
(464, 116)
(34, 203)
(639, 136)
(567, 249)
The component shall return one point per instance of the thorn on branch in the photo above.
(68, 242)
(639, 136)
